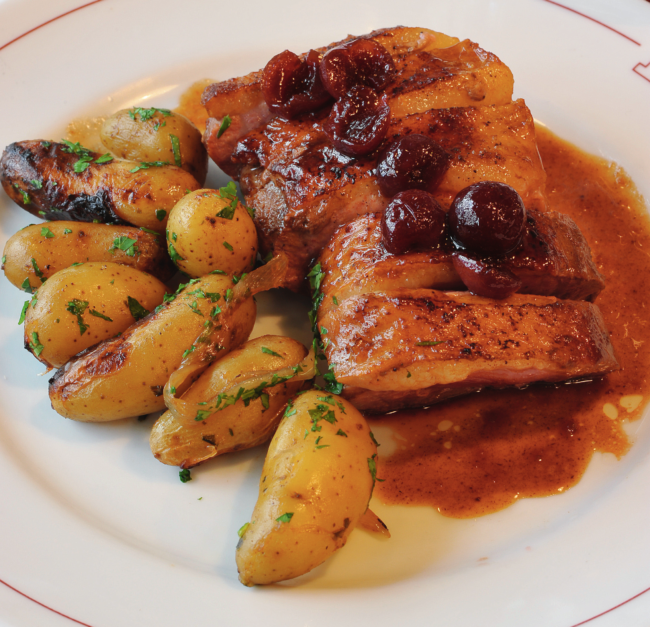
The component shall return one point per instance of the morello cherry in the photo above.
(358, 122)
(487, 217)
(411, 162)
(292, 86)
(358, 62)
(413, 220)
(485, 279)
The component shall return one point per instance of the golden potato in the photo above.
(153, 134)
(210, 230)
(316, 483)
(241, 425)
(125, 376)
(38, 251)
(83, 305)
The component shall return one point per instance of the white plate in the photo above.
(94, 528)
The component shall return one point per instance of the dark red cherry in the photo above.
(358, 62)
(487, 217)
(292, 86)
(414, 220)
(411, 162)
(358, 122)
(485, 279)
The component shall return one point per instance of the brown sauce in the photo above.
(476, 455)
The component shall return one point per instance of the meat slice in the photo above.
(410, 348)
(553, 260)
(303, 189)
(433, 71)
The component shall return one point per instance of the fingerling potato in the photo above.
(125, 376)
(67, 182)
(83, 305)
(209, 229)
(238, 426)
(38, 251)
(316, 483)
(140, 134)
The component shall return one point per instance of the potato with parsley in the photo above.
(125, 376)
(247, 422)
(211, 230)
(154, 134)
(85, 304)
(38, 251)
(316, 483)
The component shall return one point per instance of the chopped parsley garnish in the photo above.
(37, 184)
(225, 123)
(147, 114)
(26, 286)
(67, 231)
(229, 192)
(176, 149)
(23, 313)
(184, 475)
(228, 295)
(77, 307)
(341, 432)
(150, 231)
(38, 272)
(105, 158)
(251, 212)
(336, 302)
(73, 149)
(202, 414)
(408, 374)
(46, 144)
(268, 351)
(45, 232)
(242, 530)
(160, 214)
(265, 400)
(173, 254)
(195, 308)
(35, 344)
(26, 199)
(429, 343)
(83, 163)
(125, 244)
(228, 246)
(145, 165)
(94, 312)
(136, 309)
(218, 272)
(188, 351)
(372, 466)
(372, 437)
(285, 518)
(236, 279)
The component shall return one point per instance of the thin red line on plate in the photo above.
(38, 602)
(638, 65)
(611, 609)
(83, 6)
(557, 4)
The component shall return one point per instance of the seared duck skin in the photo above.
(303, 189)
(553, 260)
(433, 71)
(410, 348)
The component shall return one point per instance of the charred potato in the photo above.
(315, 486)
(83, 305)
(209, 229)
(239, 426)
(38, 251)
(67, 182)
(156, 135)
(125, 376)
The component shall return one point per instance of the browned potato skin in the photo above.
(237, 427)
(327, 490)
(106, 287)
(199, 236)
(149, 140)
(107, 192)
(83, 242)
(125, 376)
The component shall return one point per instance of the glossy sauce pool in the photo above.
(472, 456)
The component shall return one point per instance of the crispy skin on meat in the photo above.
(378, 345)
(40, 177)
(303, 189)
(553, 260)
(433, 71)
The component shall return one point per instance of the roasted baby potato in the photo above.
(83, 305)
(238, 426)
(125, 376)
(67, 182)
(38, 251)
(316, 483)
(154, 134)
(209, 229)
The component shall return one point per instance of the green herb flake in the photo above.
(174, 237)
(195, 308)
(408, 374)
(228, 295)
(374, 439)
(231, 432)
(228, 246)
(341, 432)
(265, 401)
(67, 231)
(45, 232)
(227, 212)
(105, 158)
(26, 199)
(77, 307)
(94, 312)
(25, 286)
(175, 257)
(37, 184)
(176, 149)
(242, 530)
(82, 164)
(285, 518)
(147, 114)
(268, 351)
(202, 414)
(160, 214)
(336, 302)
(136, 309)
(145, 165)
(150, 231)
(184, 475)
(188, 351)
(46, 144)
(23, 313)
(38, 272)
(429, 343)
(125, 244)
(35, 344)
(218, 272)
(225, 123)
